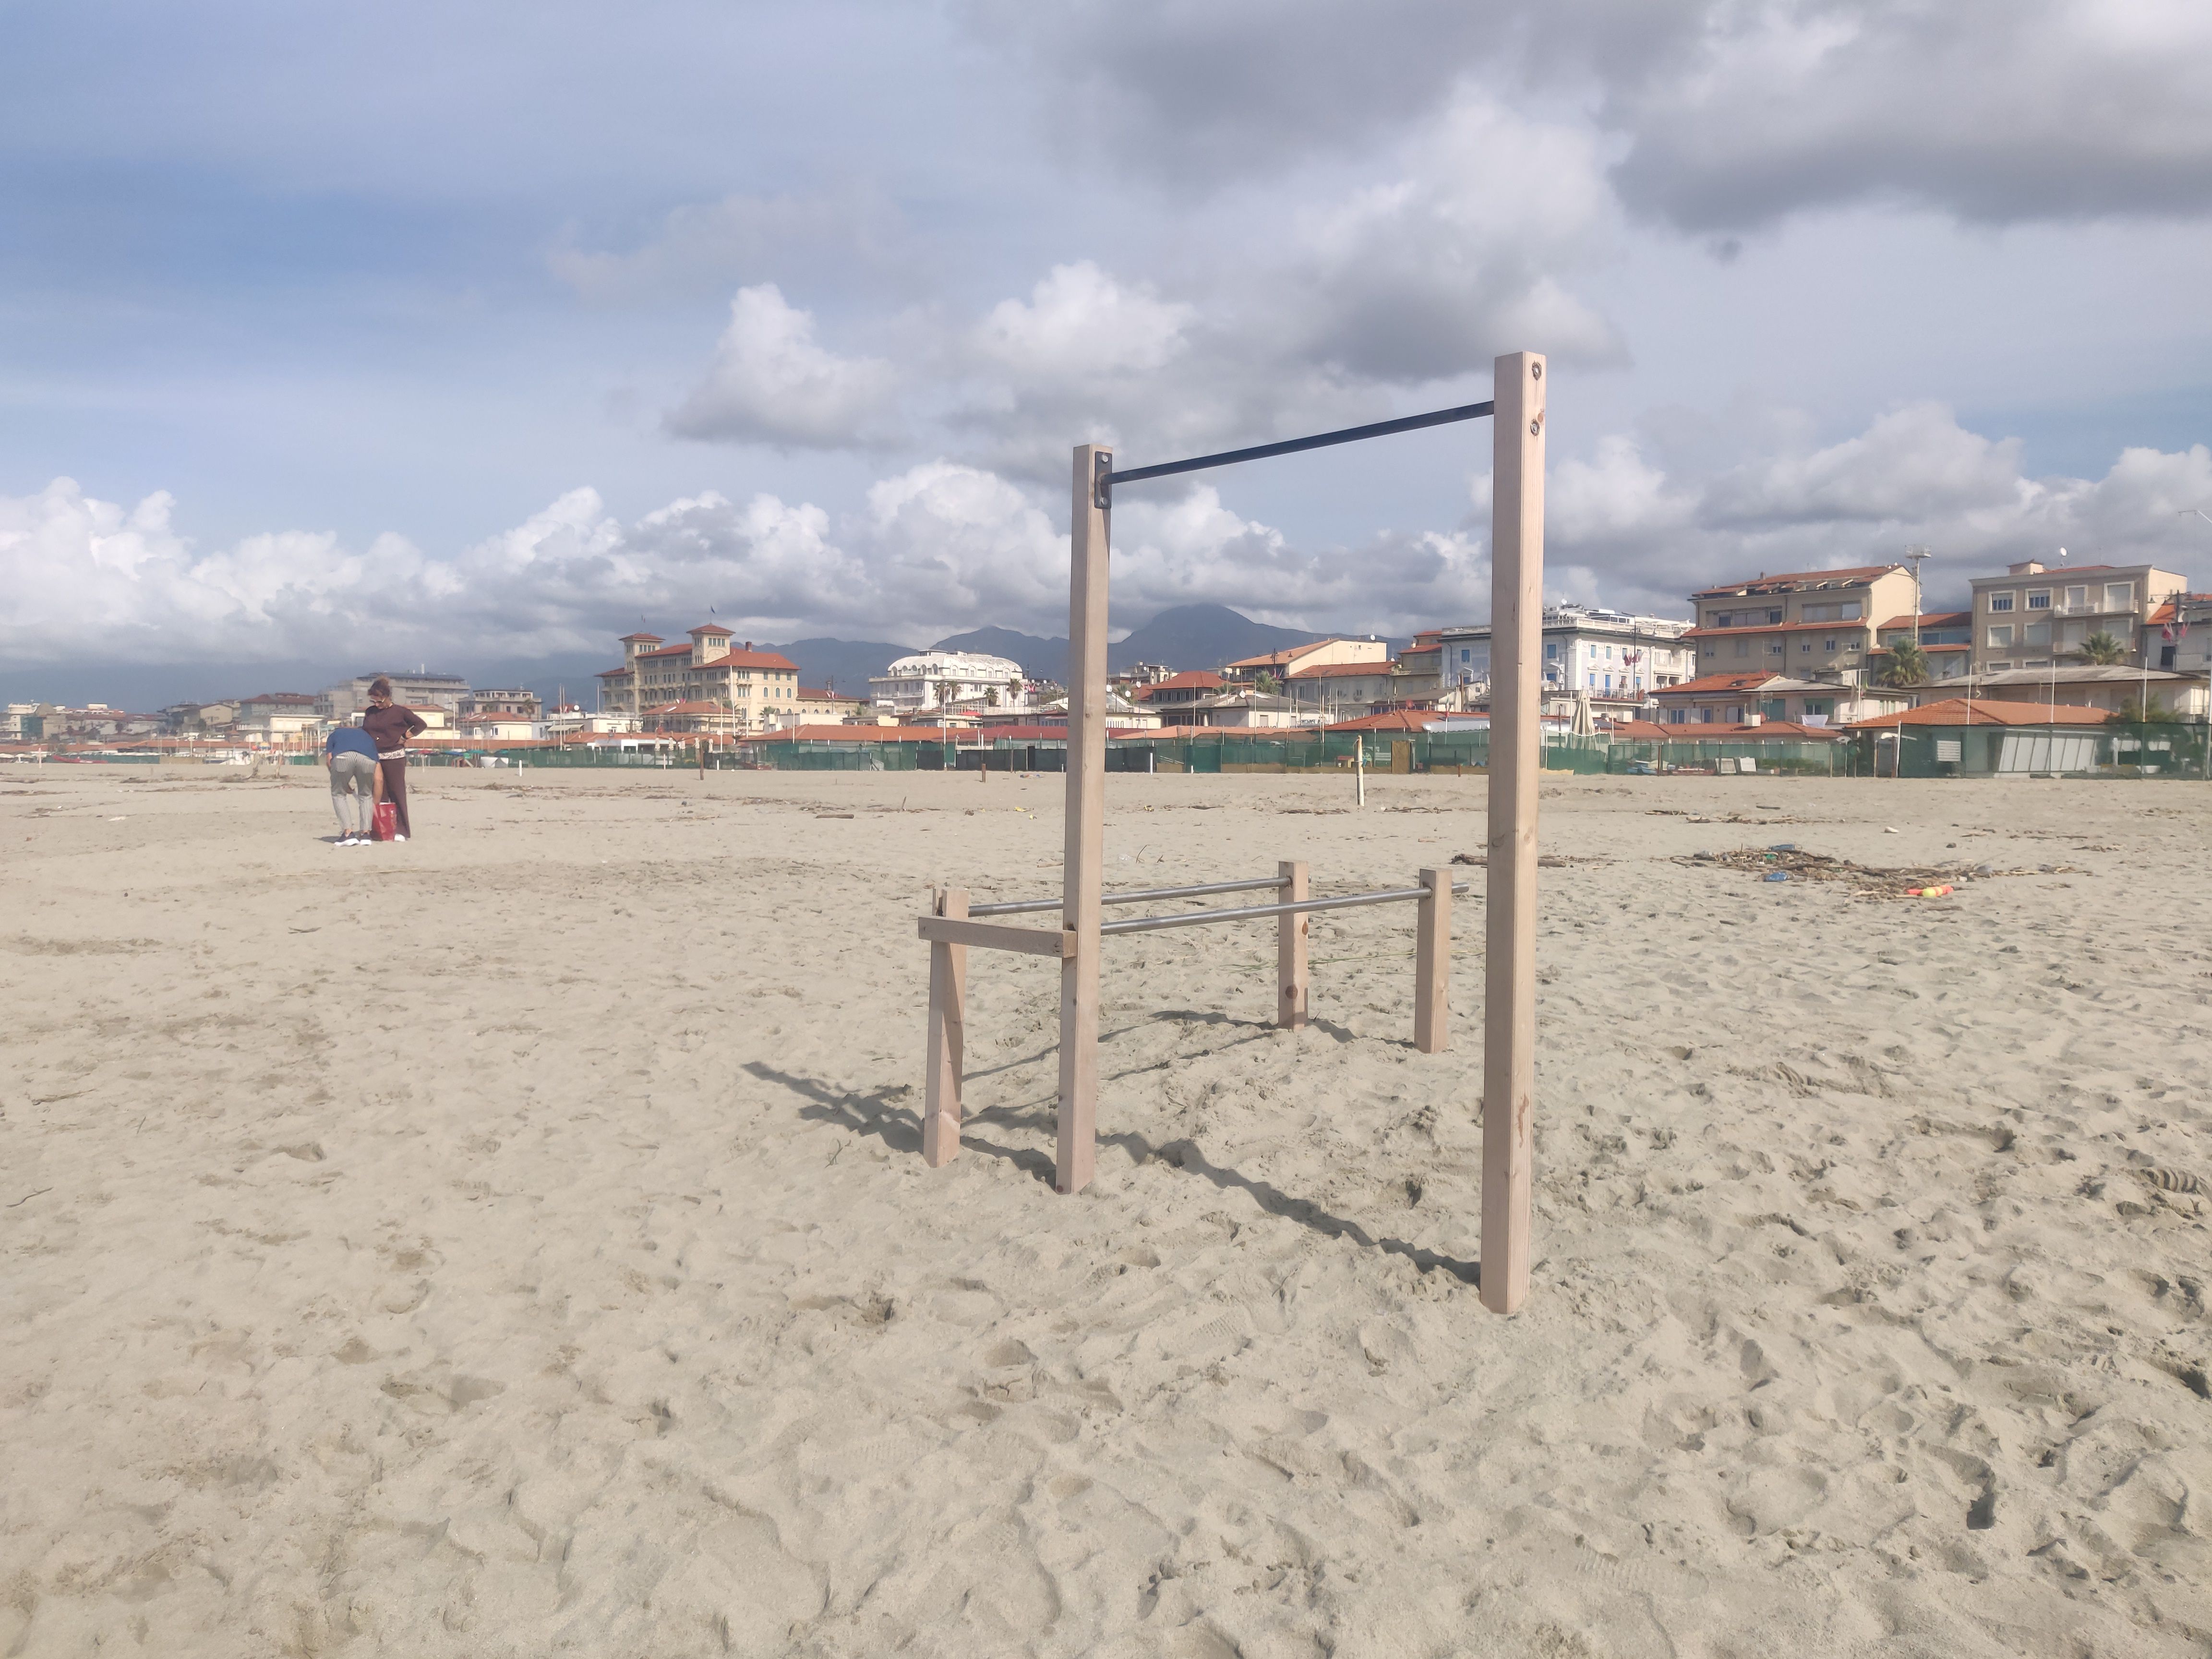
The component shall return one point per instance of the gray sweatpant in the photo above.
(352, 795)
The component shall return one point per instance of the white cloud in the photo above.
(940, 547)
(768, 382)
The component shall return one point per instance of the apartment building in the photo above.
(1808, 624)
(1617, 658)
(755, 688)
(1752, 698)
(1280, 665)
(1946, 640)
(519, 702)
(343, 702)
(2036, 615)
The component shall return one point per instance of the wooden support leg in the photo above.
(1083, 846)
(1432, 964)
(1290, 950)
(1509, 1037)
(948, 1037)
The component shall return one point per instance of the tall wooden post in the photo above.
(948, 1039)
(1517, 615)
(1291, 948)
(1083, 851)
(1432, 964)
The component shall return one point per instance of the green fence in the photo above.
(2158, 749)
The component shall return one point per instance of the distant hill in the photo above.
(847, 662)
(1040, 658)
(1202, 636)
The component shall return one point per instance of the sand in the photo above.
(515, 1242)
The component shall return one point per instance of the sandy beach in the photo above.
(516, 1241)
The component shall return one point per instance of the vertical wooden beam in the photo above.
(1084, 850)
(948, 1039)
(1432, 964)
(1517, 613)
(1291, 949)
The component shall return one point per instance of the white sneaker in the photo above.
(399, 838)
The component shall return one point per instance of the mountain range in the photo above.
(1184, 636)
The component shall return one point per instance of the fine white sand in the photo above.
(515, 1242)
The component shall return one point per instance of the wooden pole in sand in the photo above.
(1084, 848)
(1291, 949)
(1432, 964)
(1517, 615)
(948, 1038)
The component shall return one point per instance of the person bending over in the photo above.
(390, 725)
(349, 753)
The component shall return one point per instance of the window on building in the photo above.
(1998, 667)
(2077, 598)
(2000, 601)
(1776, 648)
(2001, 636)
(1805, 647)
(1818, 708)
(1743, 647)
(2119, 596)
(2038, 599)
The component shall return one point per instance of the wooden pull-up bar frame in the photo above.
(1516, 556)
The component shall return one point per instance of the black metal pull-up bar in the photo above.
(1107, 480)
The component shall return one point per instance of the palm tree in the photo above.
(1908, 665)
(2102, 649)
(1265, 684)
(946, 691)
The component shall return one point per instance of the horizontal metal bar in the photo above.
(1291, 445)
(1250, 912)
(1016, 906)
(988, 936)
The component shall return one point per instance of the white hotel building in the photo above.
(1616, 657)
(915, 683)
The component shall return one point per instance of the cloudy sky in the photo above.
(477, 331)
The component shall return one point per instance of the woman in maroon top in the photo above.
(389, 726)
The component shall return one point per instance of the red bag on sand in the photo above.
(388, 820)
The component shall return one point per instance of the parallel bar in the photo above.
(1291, 930)
(1291, 445)
(990, 936)
(1017, 906)
(1509, 1046)
(1251, 912)
(1083, 854)
(948, 1030)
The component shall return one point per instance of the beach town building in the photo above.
(752, 689)
(1419, 675)
(1342, 691)
(25, 722)
(2178, 634)
(343, 702)
(2036, 615)
(1280, 663)
(277, 716)
(2088, 686)
(1254, 709)
(1945, 639)
(1616, 657)
(822, 705)
(1756, 697)
(1809, 624)
(520, 702)
(1175, 699)
(930, 680)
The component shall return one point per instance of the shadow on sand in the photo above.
(899, 1127)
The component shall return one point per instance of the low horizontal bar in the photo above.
(1251, 912)
(1291, 445)
(987, 936)
(1016, 906)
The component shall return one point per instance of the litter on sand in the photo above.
(1868, 881)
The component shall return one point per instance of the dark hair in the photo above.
(379, 687)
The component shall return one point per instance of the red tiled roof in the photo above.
(728, 658)
(822, 694)
(1956, 711)
(852, 734)
(1276, 658)
(1340, 670)
(712, 628)
(1862, 573)
(612, 673)
(1713, 684)
(1702, 732)
(1398, 719)
(1927, 619)
(626, 638)
(1197, 680)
